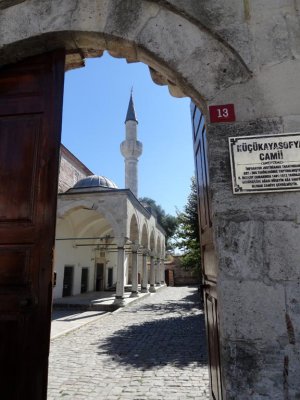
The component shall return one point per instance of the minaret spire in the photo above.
(131, 115)
(131, 148)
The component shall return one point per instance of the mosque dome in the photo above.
(94, 182)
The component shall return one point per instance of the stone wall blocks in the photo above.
(158, 78)
(282, 250)
(241, 246)
(179, 41)
(242, 301)
(218, 18)
(127, 18)
(252, 207)
(89, 40)
(251, 369)
(293, 299)
(175, 91)
(292, 366)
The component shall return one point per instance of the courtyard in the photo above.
(153, 349)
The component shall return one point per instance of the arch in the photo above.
(170, 44)
(152, 241)
(99, 225)
(144, 237)
(64, 228)
(91, 206)
(134, 229)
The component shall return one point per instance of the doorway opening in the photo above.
(100, 93)
(68, 281)
(100, 277)
(84, 280)
(104, 157)
(68, 273)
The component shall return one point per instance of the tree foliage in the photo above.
(187, 233)
(166, 221)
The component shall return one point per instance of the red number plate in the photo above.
(223, 113)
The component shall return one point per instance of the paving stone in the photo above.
(155, 349)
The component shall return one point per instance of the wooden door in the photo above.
(84, 280)
(110, 277)
(68, 281)
(209, 270)
(31, 94)
(99, 277)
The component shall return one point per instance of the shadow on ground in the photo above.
(178, 340)
(69, 316)
(182, 306)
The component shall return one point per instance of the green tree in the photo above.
(166, 221)
(187, 233)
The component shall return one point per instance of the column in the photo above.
(134, 288)
(145, 275)
(152, 274)
(162, 272)
(120, 290)
(157, 272)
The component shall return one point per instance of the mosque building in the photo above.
(105, 237)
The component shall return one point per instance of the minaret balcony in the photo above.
(131, 148)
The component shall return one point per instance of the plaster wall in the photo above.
(72, 253)
(67, 254)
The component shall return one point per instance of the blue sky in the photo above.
(95, 104)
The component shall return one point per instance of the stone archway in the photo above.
(170, 44)
(180, 52)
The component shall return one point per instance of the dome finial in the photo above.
(131, 115)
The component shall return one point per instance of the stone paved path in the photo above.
(152, 350)
(66, 321)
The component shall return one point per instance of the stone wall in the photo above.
(71, 170)
(181, 276)
(257, 239)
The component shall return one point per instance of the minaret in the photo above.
(131, 149)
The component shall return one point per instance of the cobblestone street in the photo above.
(155, 349)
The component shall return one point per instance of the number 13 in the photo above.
(222, 112)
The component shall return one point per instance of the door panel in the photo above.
(110, 277)
(213, 344)
(30, 123)
(99, 277)
(209, 265)
(18, 190)
(68, 281)
(84, 280)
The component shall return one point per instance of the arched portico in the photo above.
(158, 267)
(145, 250)
(134, 230)
(152, 261)
(85, 258)
(145, 237)
(66, 207)
(133, 261)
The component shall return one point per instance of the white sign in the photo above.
(268, 163)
